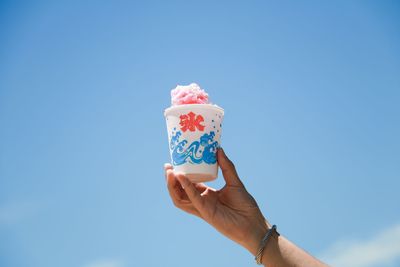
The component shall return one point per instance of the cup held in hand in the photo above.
(194, 133)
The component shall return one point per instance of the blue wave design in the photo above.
(199, 151)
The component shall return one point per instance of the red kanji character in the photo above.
(191, 121)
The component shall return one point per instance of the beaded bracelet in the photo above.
(263, 244)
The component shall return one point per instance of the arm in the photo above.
(281, 252)
(234, 212)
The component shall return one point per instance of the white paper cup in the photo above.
(194, 133)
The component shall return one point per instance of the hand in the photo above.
(231, 210)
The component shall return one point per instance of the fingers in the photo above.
(228, 169)
(185, 194)
(167, 166)
(178, 195)
(200, 187)
(192, 192)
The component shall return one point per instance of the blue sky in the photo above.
(311, 94)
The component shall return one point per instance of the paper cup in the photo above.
(194, 133)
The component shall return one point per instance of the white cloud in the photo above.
(105, 263)
(384, 248)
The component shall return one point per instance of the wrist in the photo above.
(256, 236)
(265, 241)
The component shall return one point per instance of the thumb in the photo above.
(228, 169)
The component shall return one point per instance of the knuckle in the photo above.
(176, 203)
(231, 164)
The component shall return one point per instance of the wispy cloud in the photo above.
(384, 248)
(14, 212)
(105, 263)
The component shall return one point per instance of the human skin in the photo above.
(234, 213)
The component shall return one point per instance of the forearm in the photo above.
(280, 252)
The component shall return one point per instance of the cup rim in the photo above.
(177, 107)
